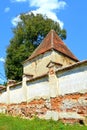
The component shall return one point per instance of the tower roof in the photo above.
(52, 41)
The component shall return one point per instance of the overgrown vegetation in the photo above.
(16, 123)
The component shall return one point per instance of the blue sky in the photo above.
(71, 14)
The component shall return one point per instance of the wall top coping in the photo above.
(46, 74)
(75, 65)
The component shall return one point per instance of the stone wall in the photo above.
(31, 109)
(68, 108)
(3, 108)
(58, 95)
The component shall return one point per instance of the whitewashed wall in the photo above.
(16, 94)
(68, 81)
(37, 66)
(38, 89)
(3, 97)
(74, 80)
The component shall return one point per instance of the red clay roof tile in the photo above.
(52, 41)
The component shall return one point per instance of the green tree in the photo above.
(27, 35)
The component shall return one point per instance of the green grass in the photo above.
(16, 123)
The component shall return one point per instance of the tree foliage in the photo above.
(27, 35)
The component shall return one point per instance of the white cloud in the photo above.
(18, 0)
(7, 9)
(2, 59)
(48, 7)
(16, 20)
(45, 7)
(48, 4)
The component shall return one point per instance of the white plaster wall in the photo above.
(37, 66)
(3, 97)
(74, 80)
(64, 60)
(38, 89)
(16, 94)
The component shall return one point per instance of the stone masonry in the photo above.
(69, 108)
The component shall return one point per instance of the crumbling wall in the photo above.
(69, 108)
(58, 95)
(3, 108)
